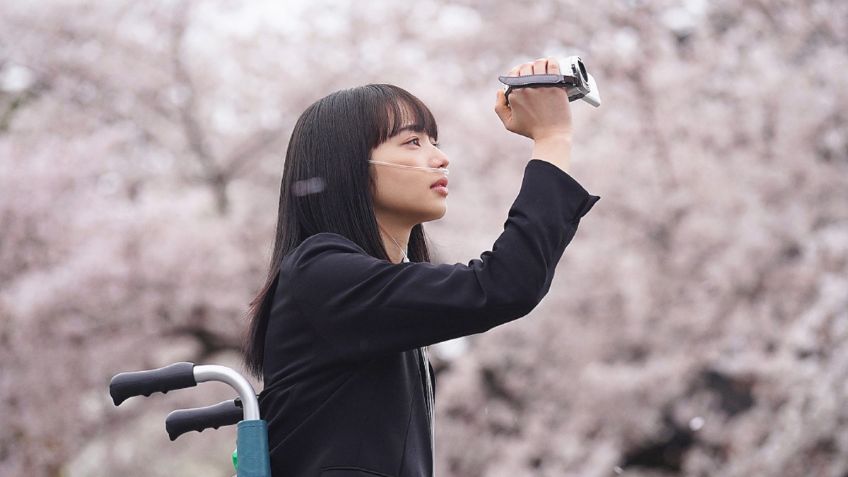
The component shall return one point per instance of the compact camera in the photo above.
(578, 83)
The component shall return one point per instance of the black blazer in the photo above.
(346, 393)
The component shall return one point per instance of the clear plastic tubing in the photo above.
(430, 169)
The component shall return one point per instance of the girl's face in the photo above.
(403, 195)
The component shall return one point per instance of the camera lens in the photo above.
(582, 68)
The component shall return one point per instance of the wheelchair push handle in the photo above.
(179, 376)
(225, 413)
(252, 434)
(144, 383)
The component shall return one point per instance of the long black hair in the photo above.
(327, 186)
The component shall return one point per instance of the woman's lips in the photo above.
(443, 182)
(440, 189)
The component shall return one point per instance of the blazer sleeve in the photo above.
(364, 306)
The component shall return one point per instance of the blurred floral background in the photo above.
(697, 324)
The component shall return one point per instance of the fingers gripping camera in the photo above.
(578, 83)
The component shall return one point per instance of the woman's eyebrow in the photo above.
(417, 127)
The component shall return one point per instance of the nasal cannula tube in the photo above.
(431, 169)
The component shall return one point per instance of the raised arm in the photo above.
(363, 306)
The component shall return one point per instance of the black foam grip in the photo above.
(144, 383)
(225, 413)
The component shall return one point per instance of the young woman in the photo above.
(338, 332)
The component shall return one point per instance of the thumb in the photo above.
(501, 108)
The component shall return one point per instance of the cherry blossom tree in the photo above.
(697, 324)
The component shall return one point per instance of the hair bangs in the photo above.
(399, 109)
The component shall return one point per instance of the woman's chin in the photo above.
(435, 212)
(439, 213)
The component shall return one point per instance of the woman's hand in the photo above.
(537, 113)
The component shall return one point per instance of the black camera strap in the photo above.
(538, 81)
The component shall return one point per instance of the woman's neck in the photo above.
(395, 239)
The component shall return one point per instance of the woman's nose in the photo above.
(441, 158)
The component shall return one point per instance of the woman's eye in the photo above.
(415, 139)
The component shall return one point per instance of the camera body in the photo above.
(574, 77)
